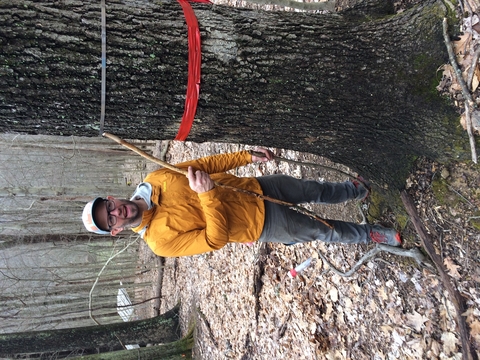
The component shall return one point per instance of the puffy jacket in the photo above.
(183, 222)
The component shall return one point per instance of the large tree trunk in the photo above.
(359, 92)
(179, 349)
(161, 329)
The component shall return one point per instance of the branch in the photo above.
(455, 297)
(468, 125)
(413, 253)
(471, 71)
(302, 163)
(98, 277)
(466, 93)
(184, 172)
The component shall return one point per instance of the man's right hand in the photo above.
(266, 155)
(199, 181)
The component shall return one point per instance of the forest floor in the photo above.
(244, 305)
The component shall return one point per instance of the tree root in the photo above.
(414, 253)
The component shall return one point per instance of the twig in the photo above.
(98, 277)
(453, 62)
(185, 172)
(471, 71)
(120, 341)
(207, 325)
(463, 197)
(468, 124)
(302, 163)
(466, 93)
(296, 162)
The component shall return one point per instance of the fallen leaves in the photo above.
(393, 311)
(416, 321)
(452, 268)
(475, 118)
(449, 342)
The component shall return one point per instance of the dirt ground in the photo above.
(246, 307)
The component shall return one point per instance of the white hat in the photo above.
(87, 218)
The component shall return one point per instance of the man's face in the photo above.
(113, 214)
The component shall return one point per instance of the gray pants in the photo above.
(284, 225)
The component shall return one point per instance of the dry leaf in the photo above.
(417, 347)
(452, 268)
(476, 120)
(335, 355)
(475, 328)
(449, 342)
(333, 294)
(447, 75)
(416, 320)
(475, 79)
(348, 302)
(469, 313)
(435, 348)
(461, 46)
(329, 310)
(382, 294)
(463, 121)
(387, 329)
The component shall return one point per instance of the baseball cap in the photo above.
(87, 217)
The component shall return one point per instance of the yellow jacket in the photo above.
(186, 223)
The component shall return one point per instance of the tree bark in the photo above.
(161, 329)
(362, 93)
(179, 349)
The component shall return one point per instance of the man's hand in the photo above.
(199, 181)
(268, 155)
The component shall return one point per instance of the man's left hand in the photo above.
(199, 181)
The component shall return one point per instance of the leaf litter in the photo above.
(246, 307)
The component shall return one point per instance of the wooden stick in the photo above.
(184, 172)
(469, 103)
(457, 300)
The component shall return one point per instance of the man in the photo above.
(181, 215)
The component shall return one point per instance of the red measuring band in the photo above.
(194, 61)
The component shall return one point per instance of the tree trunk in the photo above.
(161, 329)
(362, 93)
(179, 349)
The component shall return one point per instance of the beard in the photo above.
(134, 216)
